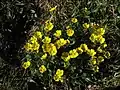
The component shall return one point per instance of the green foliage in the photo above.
(81, 69)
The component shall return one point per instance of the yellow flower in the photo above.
(58, 78)
(53, 50)
(61, 42)
(58, 75)
(91, 52)
(100, 31)
(35, 46)
(84, 47)
(97, 38)
(59, 72)
(50, 48)
(104, 45)
(46, 47)
(70, 32)
(53, 9)
(79, 50)
(58, 33)
(42, 69)
(67, 41)
(28, 47)
(26, 64)
(46, 40)
(93, 61)
(44, 56)
(101, 40)
(74, 20)
(61, 79)
(38, 34)
(86, 25)
(65, 56)
(93, 38)
(48, 26)
(73, 53)
(107, 55)
(32, 39)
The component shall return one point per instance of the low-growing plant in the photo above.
(69, 55)
(72, 45)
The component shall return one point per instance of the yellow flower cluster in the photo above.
(66, 56)
(59, 75)
(42, 69)
(95, 61)
(26, 64)
(48, 26)
(84, 48)
(97, 36)
(61, 42)
(32, 44)
(50, 48)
